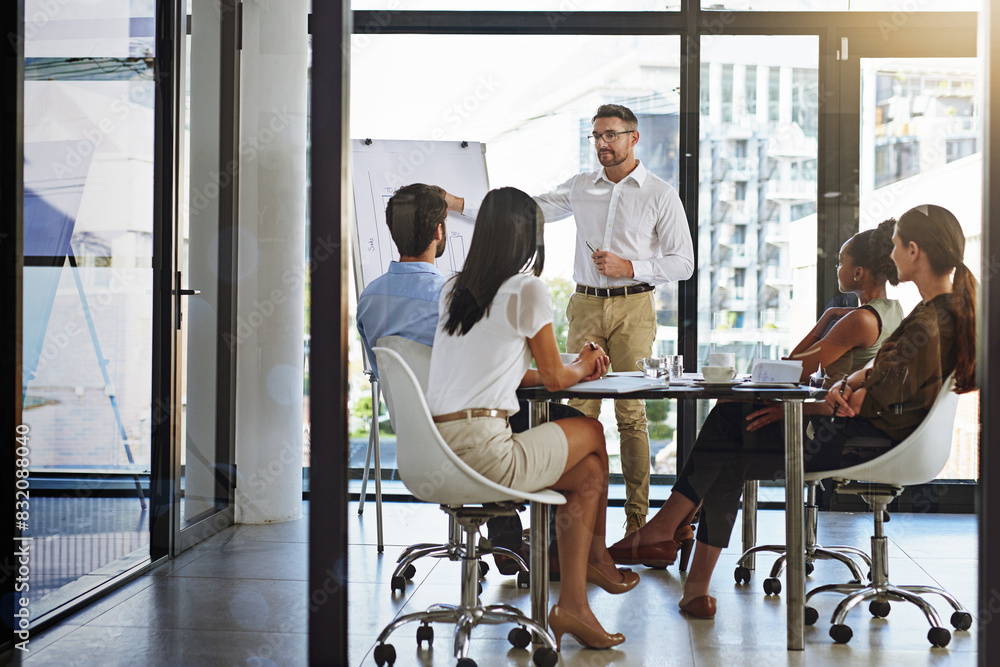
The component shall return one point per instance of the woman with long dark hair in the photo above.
(495, 316)
(882, 404)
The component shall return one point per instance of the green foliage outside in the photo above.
(561, 290)
(362, 410)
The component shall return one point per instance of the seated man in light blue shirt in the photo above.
(404, 300)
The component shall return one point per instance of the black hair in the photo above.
(872, 250)
(507, 240)
(413, 214)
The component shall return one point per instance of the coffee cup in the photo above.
(653, 368)
(718, 373)
(722, 359)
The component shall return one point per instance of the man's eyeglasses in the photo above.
(609, 137)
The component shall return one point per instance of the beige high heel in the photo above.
(629, 580)
(562, 622)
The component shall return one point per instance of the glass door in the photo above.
(90, 174)
(205, 350)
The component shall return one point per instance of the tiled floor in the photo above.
(240, 599)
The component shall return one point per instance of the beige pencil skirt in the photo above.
(526, 461)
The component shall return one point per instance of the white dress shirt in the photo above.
(640, 219)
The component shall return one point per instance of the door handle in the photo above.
(178, 293)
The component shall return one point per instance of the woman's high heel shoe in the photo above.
(660, 554)
(629, 580)
(562, 622)
(685, 539)
(686, 547)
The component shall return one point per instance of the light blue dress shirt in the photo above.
(401, 302)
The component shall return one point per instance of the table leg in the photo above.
(750, 521)
(538, 574)
(795, 547)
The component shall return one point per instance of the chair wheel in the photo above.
(545, 657)
(961, 620)
(409, 571)
(384, 654)
(809, 568)
(519, 637)
(425, 633)
(811, 616)
(465, 662)
(772, 586)
(742, 574)
(841, 633)
(524, 580)
(397, 583)
(484, 567)
(879, 608)
(938, 637)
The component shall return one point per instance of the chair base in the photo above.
(470, 612)
(880, 591)
(454, 550)
(879, 597)
(814, 552)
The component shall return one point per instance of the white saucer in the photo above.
(725, 383)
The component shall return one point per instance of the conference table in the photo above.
(791, 395)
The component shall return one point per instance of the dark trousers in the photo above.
(506, 531)
(726, 455)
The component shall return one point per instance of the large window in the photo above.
(757, 222)
(533, 120)
(920, 144)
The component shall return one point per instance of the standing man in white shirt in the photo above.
(631, 234)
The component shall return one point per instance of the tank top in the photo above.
(890, 314)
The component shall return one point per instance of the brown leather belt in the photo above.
(605, 292)
(470, 414)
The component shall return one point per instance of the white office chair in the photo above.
(916, 460)
(434, 473)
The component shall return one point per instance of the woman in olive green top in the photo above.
(886, 402)
(846, 339)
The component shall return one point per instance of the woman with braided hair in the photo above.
(847, 339)
(882, 404)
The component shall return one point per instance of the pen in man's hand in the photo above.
(843, 386)
(591, 246)
(593, 346)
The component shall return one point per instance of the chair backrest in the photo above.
(417, 356)
(427, 465)
(920, 457)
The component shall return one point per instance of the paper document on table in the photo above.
(768, 370)
(617, 385)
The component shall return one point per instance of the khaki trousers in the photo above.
(625, 326)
